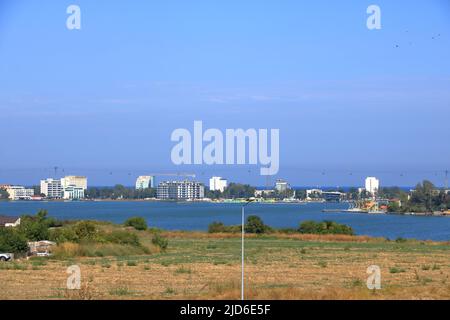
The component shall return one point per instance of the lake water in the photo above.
(197, 216)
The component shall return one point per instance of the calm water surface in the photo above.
(197, 216)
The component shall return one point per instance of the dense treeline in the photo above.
(119, 192)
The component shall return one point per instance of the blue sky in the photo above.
(349, 102)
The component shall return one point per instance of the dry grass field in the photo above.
(207, 266)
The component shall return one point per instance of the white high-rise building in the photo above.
(281, 185)
(372, 185)
(180, 190)
(52, 188)
(145, 182)
(217, 184)
(77, 181)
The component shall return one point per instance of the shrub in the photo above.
(61, 235)
(138, 223)
(160, 242)
(85, 231)
(122, 237)
(325, 227)
(256, 225)
(216, 227)
(12, 241)
(34, 228)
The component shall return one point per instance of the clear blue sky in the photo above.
(348, 101)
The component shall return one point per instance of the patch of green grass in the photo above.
(183, 270)
(169, 291)
(131, 263)
(424, 281)
(211, 246)
(106, 264)
(426, 267)
(121, 291)
(396, 270)
(38, 262)
(435, 267)
(90, 262)
(355, 283)
(322, 264)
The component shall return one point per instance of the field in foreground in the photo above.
(207, 266)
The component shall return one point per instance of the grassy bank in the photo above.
(202, 265)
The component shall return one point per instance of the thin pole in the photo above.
(242, 256)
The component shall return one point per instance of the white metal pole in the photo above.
(242, 257)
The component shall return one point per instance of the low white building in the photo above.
(313, 192)
(9, 222)
(217, 184)
(19, 192)
(77, 181)
(73, 193)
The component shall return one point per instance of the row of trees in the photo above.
(255, 224)
(425, 198)
(119, 192)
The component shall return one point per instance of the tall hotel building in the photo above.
(180, 190)
(52, 188)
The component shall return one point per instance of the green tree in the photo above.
(237, 190)
(12, 241)
(35, 228)
(4, 195)
(255, 224)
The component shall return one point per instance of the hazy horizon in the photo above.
(102, 101)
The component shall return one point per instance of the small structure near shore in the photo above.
(40, 247)
(6, 221)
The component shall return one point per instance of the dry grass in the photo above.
(205, 266)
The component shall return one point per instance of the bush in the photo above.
(216, 227)
(61, 235)
(35, 228)
(325, 227)
(138, 223)
(122, 237)
(85, 231)
(256, 225)
(160, 242)
(12, 241)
